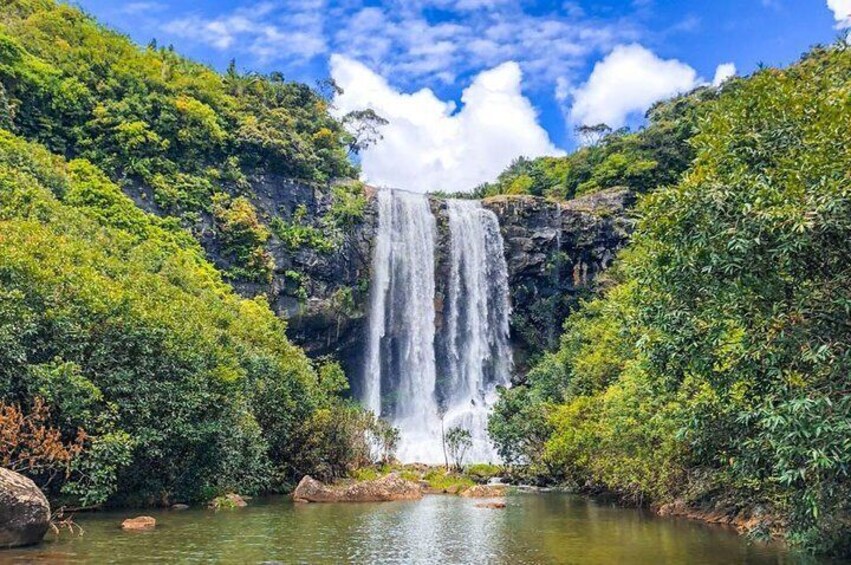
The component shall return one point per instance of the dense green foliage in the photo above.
(178, 134)
(153, 116)
(653, 156)
(718, 366)
(114, 317)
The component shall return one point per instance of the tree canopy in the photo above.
(716, 369)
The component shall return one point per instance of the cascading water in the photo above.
(478, 356)
(401, 380)
(400, 371)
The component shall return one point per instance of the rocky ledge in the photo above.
(555, 252)
(485, 491)
(387, 488)
(24, 511)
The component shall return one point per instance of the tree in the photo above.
(591, 135)
(456, 442)
(386, 439)
(363, 125)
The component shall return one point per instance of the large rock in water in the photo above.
(390, 487)
(24, 511)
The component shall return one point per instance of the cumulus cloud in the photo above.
(430, 144)
(841, 12)
(723, 72)
(628, 81)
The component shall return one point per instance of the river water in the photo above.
(440, 529)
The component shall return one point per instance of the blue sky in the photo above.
(470, 84)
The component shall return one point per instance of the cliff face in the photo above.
(322, 292)
(555, 253)
(324, 295)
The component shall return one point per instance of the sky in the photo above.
(467, 86)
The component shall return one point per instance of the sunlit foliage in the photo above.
(718, 367)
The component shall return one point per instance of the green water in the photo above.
(533, 528)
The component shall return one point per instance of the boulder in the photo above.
(139, 523)
(180, 507)
(230, 500)
(387, 488)
(24, 511)
(485, 491)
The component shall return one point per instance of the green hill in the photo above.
(162, 383)
(714, 373)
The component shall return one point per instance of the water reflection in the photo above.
(550, 528)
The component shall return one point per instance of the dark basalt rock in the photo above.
(555, 253)
(24, 511)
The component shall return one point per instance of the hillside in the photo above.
(180, 138)
(130, 370)
(655, 155)
(712, 377)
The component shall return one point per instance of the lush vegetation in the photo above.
(113, 319)
(150, 115)
(653, 156)
(182, 137)
(130, 371)
(717, 367)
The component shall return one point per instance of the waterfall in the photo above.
(401, 380)
(476, 335)
(400, 372)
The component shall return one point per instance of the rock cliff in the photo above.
(554, 252)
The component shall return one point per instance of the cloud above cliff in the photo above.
(629, 80)
(841, 12)
(430, 144)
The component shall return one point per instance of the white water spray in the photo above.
(401, 382)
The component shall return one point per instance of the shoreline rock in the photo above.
(742, 519)
(485, 491)
(24, 511)
(229, 500)
(139, 524)
(388, 488)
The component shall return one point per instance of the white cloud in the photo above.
(841, 12)
(406, 41)
(142, 8)
(429, 145)
(626, 82)
(723, 72)
(256, 30)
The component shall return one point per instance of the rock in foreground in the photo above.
(485, 491)
(390, 487)
(24, 511)
(139, 523)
